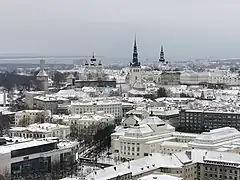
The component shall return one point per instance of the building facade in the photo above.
(36, 158)
(41, 130)
(107, 105)
(200, 120)
(26, 117)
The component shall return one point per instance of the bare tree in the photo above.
(25, 121)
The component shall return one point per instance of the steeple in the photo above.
(93, 60)
(135, 62)
(162, 59)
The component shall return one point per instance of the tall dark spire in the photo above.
(162, 59)
(135, 54)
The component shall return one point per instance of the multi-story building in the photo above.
(88, 123)
(26, 117)
(107, 105)
(36, 158)
(41, 130)
(147, 136)
(48, 102)
(199, 120)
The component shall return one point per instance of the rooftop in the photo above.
(23, 145)
(137, 166)
(41, 127)
(159, 177)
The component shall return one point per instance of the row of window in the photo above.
(220, 176)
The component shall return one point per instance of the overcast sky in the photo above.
(186, 28)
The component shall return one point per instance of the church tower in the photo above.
(42, 77)
(135, 66)
(161, 58)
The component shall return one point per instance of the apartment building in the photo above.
(199, 120)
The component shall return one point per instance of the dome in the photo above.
(139, 86)
(139, 131)
(153, 120)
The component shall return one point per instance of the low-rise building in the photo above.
(41, 130)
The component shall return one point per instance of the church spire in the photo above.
(135, 54)
(162, 59)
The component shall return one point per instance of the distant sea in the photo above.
(59, 59)
(66, 60)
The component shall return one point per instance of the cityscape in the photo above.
(93, 117)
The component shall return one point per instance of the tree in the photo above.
(161, 92)
(25, 121)
(58, 77)
(39, 118)
(184, 95)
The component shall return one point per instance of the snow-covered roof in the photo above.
(139, 131)
(71, 93)
(42, 73)
(39, 127)
(153, 120)
(136, 167)
(16, 146)
(159, 177)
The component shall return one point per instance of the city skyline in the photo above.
(187, 30)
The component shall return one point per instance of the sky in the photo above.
(187, 29)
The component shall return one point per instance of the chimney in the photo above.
(115, 168)
(189, 154)
(4, 98)
(128, 164)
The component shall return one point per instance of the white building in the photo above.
(23, 158)
(214, 77)
(150, 135)
(216, 139)
(88, 123)
(41, 130)
(107, 105)
(27, 117)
